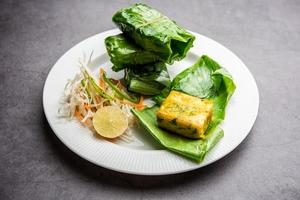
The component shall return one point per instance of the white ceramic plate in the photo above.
(143, 155)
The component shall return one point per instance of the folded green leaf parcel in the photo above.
(206, 79)
(147, 80)
(154, 32)
(125, 53)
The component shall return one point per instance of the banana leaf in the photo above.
(148, 79)
(154, 32)
(190, 148)
(206, 79)
(124, 53)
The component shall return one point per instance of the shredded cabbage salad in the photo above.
(84, 95)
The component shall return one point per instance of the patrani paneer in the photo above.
(186, 115)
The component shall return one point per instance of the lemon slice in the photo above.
(110, 122)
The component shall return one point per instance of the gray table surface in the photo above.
(34, 164)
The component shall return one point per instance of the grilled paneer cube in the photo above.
(186, 115)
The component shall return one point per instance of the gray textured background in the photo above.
(35, 165)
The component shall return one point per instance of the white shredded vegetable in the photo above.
(83, 96)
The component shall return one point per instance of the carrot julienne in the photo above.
(140, 105)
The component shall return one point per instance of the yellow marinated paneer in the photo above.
(186, 115)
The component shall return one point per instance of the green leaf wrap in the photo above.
(154, 32)
(124, 53)
(147, 80)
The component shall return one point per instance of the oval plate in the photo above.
(144, 156)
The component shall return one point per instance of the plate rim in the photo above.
(194, 167)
